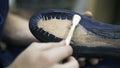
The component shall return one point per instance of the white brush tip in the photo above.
(76, 18)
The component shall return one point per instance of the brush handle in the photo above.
(70, 34)
(76, 19)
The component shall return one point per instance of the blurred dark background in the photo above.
(103, 10)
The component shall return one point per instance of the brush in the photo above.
(76, 19)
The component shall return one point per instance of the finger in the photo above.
(46, 46)
(72, 63)
(59, 53)
(88, 14)
(94, 61)
(81, 61)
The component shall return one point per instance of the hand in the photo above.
(82, 60)
(46, 55)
